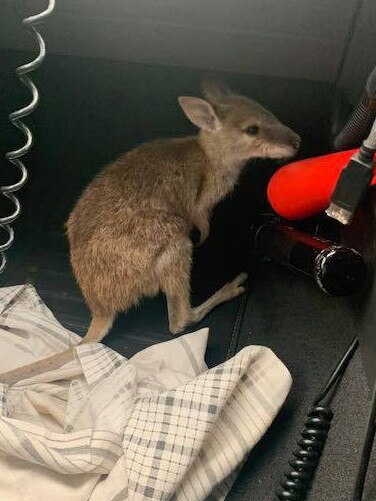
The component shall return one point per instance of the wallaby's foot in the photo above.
(234, 288)
(181, 315)
(226, 293)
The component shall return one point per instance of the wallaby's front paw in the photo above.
(203, 237)
(204, 229)
(201, 223)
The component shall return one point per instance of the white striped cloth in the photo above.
(104, 428)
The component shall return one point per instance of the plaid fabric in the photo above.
(157, 426)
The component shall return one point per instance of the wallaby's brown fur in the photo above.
(129, 233)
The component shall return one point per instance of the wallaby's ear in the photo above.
(200, 113)
(215, 91)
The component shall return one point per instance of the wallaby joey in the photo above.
(129, 233)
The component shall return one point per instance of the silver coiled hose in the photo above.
(15, 156)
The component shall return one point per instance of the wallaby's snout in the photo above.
(280, 141)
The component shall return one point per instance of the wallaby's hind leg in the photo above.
(98, 328)
(173, 269)
(174, 279)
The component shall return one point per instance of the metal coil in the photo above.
(15, 156)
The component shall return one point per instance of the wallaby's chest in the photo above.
(215, 187)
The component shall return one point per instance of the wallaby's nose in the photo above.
(296, 142)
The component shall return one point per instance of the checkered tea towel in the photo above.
(104, 428)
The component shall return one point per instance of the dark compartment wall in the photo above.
(91, 110)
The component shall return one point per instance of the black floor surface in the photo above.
(309, 332)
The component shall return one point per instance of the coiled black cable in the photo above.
(303, 466)
(297, 480)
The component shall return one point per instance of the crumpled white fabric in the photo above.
(157, 426)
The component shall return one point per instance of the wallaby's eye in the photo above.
(252, 130)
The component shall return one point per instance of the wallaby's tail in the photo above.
(98, 328)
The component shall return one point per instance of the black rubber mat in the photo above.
(309, 331)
